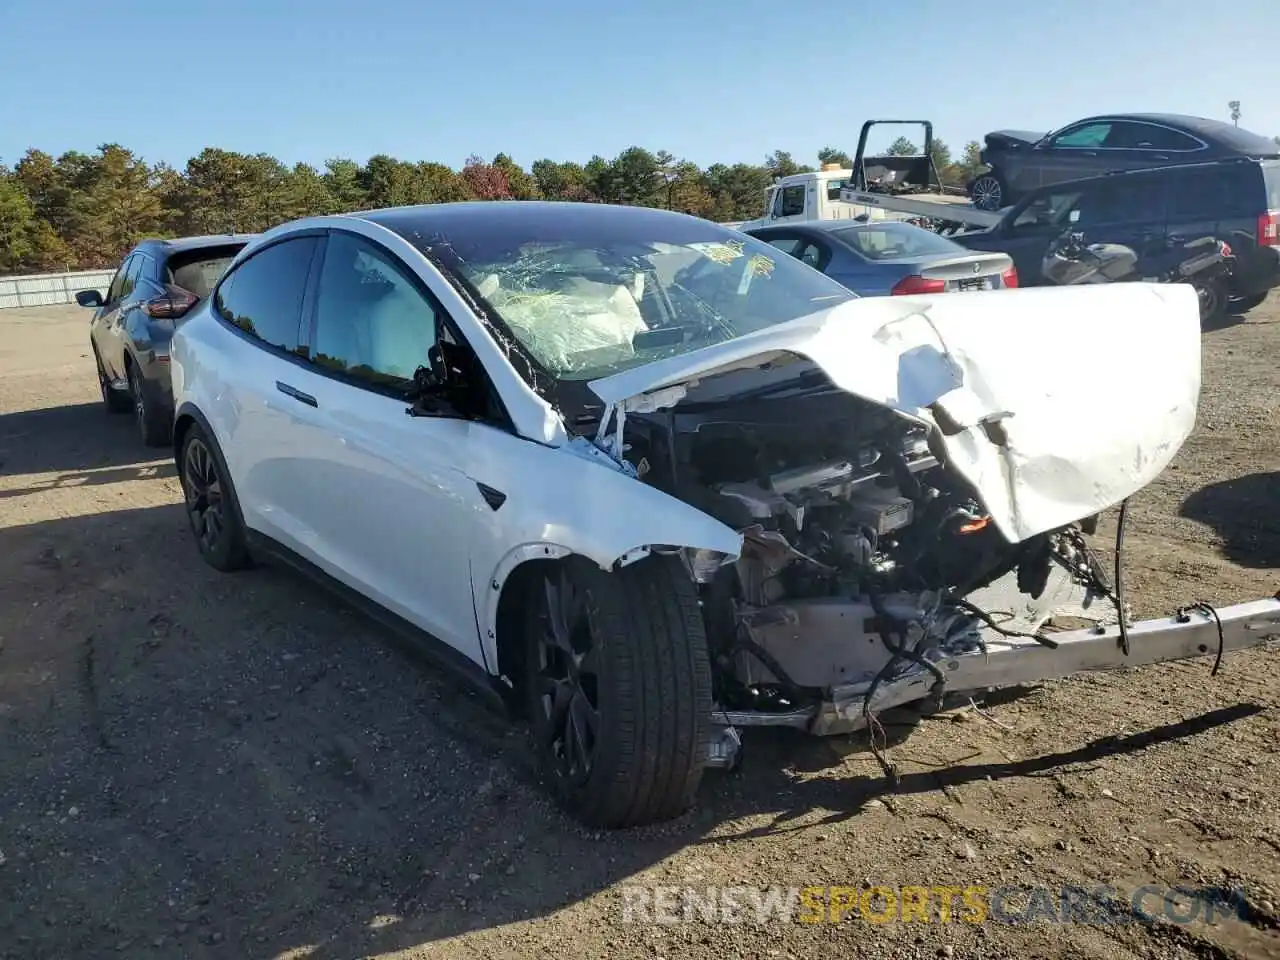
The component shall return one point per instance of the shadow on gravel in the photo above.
(1245, 513)
(848, 797)
(78, 438)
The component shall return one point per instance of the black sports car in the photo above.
(1022, 160)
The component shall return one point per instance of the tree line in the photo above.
(82, 211)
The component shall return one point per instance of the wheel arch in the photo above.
(187, 415)
(500, 615)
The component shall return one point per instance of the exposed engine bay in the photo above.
(892, 498)
(854, 530)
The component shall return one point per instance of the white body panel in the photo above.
(1096, 387)
(384, 501)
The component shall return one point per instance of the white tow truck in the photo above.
(883, 187)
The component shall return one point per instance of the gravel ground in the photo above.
(196, 765)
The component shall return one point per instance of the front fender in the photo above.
(560, 502)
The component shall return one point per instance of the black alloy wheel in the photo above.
(987, 192)
(567, 678)
(203, 487)
(617, 684)
(211, 505)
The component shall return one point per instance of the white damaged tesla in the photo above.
(652, 482)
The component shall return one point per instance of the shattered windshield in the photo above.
(603, 297)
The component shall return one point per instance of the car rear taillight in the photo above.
(1009, 278)
(172, 305)
(1269, 229)
(917, 284)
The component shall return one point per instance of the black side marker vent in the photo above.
(494, 498)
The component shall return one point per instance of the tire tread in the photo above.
(655, 693)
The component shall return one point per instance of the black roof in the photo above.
(476, 228)
(553, 216)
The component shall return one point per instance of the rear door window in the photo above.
(1133, 135)
(263, 295)
(1213, 193)
(1125, 200)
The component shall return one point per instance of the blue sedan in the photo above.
(889, 258)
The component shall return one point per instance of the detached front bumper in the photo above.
(1011, 661)
(831, 645)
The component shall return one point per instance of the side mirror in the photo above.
(89, 298)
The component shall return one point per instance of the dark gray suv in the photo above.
(157, 284)
(1153, 213)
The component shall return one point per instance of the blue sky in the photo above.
(708, 80)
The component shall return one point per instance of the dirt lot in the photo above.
(197, 765)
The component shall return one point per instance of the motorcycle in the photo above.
(1205, 263)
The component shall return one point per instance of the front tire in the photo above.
(211, 503)
(618, 686)
(1213, 302)
(988, 192)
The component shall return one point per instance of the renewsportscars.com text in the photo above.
(929, 904)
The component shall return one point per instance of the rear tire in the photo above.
(618, 687)
(153, 424)
(112, 400)
(212, 508)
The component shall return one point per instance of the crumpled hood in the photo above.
(1055, 403)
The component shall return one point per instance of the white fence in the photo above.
(42, 289)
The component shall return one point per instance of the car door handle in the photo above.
(297, 394)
